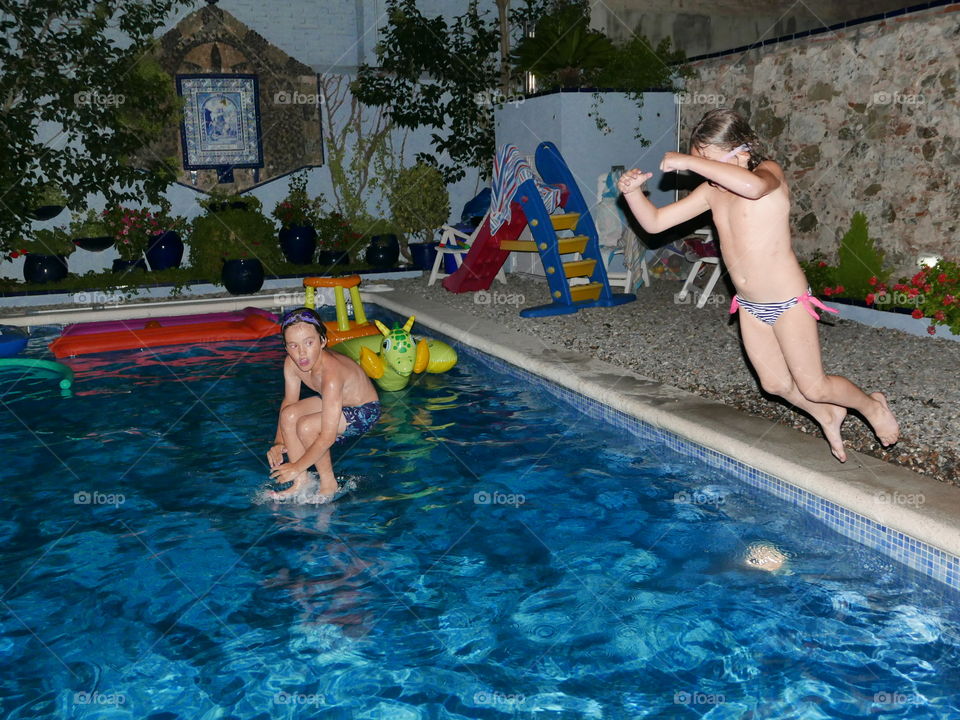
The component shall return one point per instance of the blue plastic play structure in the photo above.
(488, 253)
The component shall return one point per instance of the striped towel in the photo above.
(510, 170)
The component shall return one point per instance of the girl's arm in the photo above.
(751, 184)
(654, 219)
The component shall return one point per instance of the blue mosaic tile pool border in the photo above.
(913, 553)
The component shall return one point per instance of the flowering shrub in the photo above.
(131, 228)
(297, 209)
(934, 293)
(335, 234)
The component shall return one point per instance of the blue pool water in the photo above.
(501, 556)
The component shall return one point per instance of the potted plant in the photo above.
(335, 236)
(419, 202)
(48, 202)
(298, 216)
(131, 228)
(165, 244)
(232, 243)
(46, 255)
(382, 239)
(90, 232)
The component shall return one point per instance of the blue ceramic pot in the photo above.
(165, 250)
(242, 277)
(44, 268)
(298, 243)
(330, 258)
(423, 254)
(383, 252)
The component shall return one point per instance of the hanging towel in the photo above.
(510, 170)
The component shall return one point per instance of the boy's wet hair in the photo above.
(728, 130)
(303, 315)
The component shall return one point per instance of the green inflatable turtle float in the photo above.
(391, 358)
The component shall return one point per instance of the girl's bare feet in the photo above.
(831, 431)
(883, 422)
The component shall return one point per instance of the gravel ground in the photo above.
(699, 350)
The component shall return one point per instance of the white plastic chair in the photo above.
(451, 243)
(707, 234)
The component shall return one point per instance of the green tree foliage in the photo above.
(437, 74)
(81, 69)
(563, 51)
(859, 260)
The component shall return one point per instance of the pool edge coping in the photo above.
(861, 480)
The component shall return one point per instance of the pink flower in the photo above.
(821, 264)
(919, 278)
(939, 315)
(870, 298)
(932, 330)
(948, 299)
(839, 289)
(828, 291)
(942, 277)
(872, 281)
(917, 313)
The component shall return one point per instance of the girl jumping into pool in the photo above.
(750, 202)
(347, 404)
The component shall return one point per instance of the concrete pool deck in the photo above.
(891, 496)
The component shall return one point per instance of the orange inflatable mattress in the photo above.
(152, 333)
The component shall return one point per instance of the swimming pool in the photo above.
(503, 555)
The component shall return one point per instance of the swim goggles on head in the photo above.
(738, 149)
(305, 315)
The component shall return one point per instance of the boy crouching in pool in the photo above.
(347, 405)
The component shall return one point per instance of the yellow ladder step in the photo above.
(579, 268)
(591, 291)
(565, 221)
(575, 244)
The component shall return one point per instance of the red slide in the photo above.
(481, 264)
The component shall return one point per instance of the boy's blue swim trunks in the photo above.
(360, 418)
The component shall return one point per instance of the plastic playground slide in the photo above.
(157, 332)
(485, 258)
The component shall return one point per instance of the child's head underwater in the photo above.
(728, 131)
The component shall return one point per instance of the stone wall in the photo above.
(699, 27)
(866, 119)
